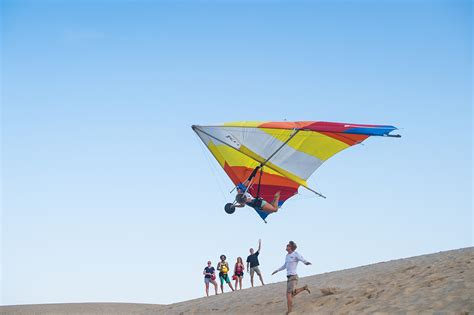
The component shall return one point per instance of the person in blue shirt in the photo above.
(209, 276)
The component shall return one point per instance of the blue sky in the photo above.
(108, 196)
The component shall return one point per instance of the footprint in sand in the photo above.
(329, 291)
(409, 268)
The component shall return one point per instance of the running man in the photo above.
(291, 262)
(252, 263)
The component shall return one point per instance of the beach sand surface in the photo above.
(440, 283)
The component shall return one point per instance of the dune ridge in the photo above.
(440, 283)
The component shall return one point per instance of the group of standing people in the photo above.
(291, 262)
(238, 274)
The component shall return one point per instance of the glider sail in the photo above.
(287, 152)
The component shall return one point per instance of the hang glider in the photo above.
(269, 157)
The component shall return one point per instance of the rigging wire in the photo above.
(214, 170)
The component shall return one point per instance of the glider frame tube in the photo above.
(295, 131)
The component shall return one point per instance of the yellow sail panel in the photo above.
(249, 159)
(225, 154)
(310, 142)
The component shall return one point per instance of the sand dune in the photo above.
(80, 308)
(441, 283)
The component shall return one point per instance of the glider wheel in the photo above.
(229, 208)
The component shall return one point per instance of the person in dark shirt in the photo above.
(209, 276)
(252, 263)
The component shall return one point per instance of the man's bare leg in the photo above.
(276, 198)
(305, 288)
(273, 206)
(289, 300)
(289, 296)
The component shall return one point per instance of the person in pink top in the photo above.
(291, 262)
(239, 272)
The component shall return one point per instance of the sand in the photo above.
(441, 283)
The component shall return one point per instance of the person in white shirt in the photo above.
(291, 262)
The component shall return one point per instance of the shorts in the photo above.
(239, 274)
(257, 203)
(253, 270)
(291, 283)
(207, 280)
(224, 277)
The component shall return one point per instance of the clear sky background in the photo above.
(108, 195)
